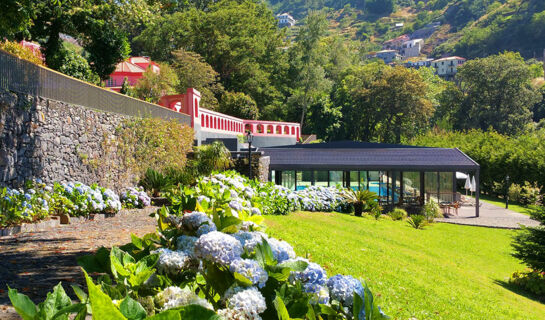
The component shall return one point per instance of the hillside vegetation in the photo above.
(469, 28)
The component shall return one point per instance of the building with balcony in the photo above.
(285, 20)
(447, 68)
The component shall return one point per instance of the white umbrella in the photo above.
(467, 186)
(473, 185)
(461, 176)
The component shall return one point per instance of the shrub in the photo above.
(532, 281)
(21, 52)
(528, 194)
(529, 243)
(133, 198)
(417, 221)
(431, 211)
(398, 214)
(18, 206)
(153, 143)
(155, 182)
(364, 201)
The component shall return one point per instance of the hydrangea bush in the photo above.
(133, 198)
(37, 200)
(211, 259)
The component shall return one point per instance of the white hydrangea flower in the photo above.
(250, 240)
(172, 262)
(174, 297)
(248, 301)
(218, 247)
(193, 220)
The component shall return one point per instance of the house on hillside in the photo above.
(388, 56)
(412, 48)
(417, 64)
(447, 67)
(396, 43)
(132, 69)
(285, 20)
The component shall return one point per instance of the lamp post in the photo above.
(249, 138)
(507, 192)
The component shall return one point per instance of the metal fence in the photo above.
(22, 76)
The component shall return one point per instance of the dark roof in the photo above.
(346, 144)
(368, 156)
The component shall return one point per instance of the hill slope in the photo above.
(470, 28)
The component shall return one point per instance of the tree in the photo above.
(382, 103)
(15, 18)
(194, 72)
(76, 66)
(382, 7)
(239, 105)
(529, 243)
(152, 86)
(496, 92)
(86, 20)
(307, 60)
(239, 39)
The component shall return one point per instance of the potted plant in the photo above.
(155, 182)
(363, 200)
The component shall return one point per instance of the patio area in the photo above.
(490, 216)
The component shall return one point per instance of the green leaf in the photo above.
(137, 242)
(103, 307)
(75, 308)
(357, 306)
(264, 254)
(311, 315)
(22, 304)
(327, 310)
(131, 309)
(197, 312)
(281, 308)
(278, 273)
(118, 261)
(166, 315)
(55, 301)
(242, 279)
(99, 262)
(294, 265)
(82, 296)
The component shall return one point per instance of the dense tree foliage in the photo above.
(153, 85)
(239, 105)
(494, 92)
(529, 244)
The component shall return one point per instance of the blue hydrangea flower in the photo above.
(282, 250)
(250, 240)
(172, 262)
(193, 220)
(251, 270)
(206, 228)
(342, 289)
(28, 196)
(218, 247)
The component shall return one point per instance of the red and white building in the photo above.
(132, 69)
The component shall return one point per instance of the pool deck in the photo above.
(490, 216)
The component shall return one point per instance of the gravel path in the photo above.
(490, 216)
(33, 263)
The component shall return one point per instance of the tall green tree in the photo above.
(306, 59)
(153, 85)
(495, 92)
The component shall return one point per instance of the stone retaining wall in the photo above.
(56, 141)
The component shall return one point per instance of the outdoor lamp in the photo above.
(507, 192)
(249, 138)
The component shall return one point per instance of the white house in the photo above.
(447, 67)
(412, 48)
(285, 20)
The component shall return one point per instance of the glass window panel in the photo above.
(411, 187)
(321, 178)
(374, 182)
(354, 180)
(363, 180)
(445, 187)
(335, 178)
(304, 179)
(288, 179)
(273, 175)
(395, 186)
(430, 179)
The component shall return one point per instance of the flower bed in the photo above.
(37, 201)
(210, 259)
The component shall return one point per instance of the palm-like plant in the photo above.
(212, 157)
(155, 182)
(417, 221)
(364, 200)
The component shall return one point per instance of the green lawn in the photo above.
(442, 272)
(501, 203)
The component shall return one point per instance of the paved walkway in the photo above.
(490, 216)
(33, 263)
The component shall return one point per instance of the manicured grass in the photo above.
(442, 272)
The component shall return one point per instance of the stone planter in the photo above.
(160, 201)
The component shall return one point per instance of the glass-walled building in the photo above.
(400, 175)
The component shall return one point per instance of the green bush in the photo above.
(155, 182)
(532, 281)
(527, 194)
(417, 221)
(529, 243)
(431, 211)
(398, 214)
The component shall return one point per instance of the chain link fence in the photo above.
(24, 77)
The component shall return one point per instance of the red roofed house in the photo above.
(132, 69)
